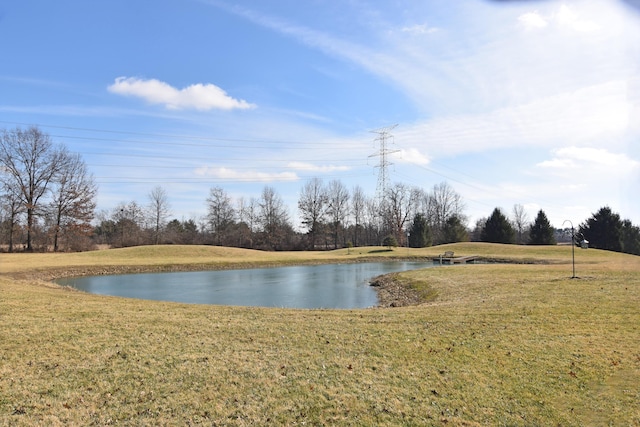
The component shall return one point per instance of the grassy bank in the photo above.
(518, 344)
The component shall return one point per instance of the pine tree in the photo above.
(541, 232)
(390, 241)
(497, 229)
(603, 230)
(419, 234)
(454, 231)
(630, 238)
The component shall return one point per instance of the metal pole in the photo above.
(407, 243)
(573, 248)
(573, 251)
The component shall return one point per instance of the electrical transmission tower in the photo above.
(384, 137)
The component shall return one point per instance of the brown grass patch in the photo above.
(499, 345)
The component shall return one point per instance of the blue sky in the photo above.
(527, 102)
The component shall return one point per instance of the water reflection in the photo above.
(318, 286)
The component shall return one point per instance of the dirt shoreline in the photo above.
(393, 292)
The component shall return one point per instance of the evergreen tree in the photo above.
(603, 230)
(419, 234)
(454, 231)
(390, 241)
(498, 229)
(630, 238)
(541, 232)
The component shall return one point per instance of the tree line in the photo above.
(603, 230)
(331, 215)
(49, 203)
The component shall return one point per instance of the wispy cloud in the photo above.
(309, 167)
(582, 117)
(564, 17)
(443, 76)
(590, 159)
(568, 18)
(378, 62)
(419, 29)
(578, 179)
(197, 96)
(411, 155)
(245, 176)
(83, 111)
(533, 20)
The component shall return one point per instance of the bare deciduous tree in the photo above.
(373, 221)
(129, 219)
(401, 203)
(29, 161)
(273, 218)
(220, 213)
(73, 200)
(520, 222)
(337, 207)
(443, 203)
(11, 207)
(358, 207)
(159, 210)
(247, 213)
(312, 206)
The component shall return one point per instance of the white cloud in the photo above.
(303, 166)
(198, 96)
(419, 29)
(591, 159)
(565, 18)
(531, 20)
(582, 117)
(411, 155)
(558, 164)
(577, 180)
(246, 176)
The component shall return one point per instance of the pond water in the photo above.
(320, 286)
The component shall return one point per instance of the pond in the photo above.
(319, 286)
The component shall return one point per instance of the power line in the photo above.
(210, 179)
(201, 159)
(384, 138)
(174, 136)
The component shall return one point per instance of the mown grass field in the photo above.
(496, 344)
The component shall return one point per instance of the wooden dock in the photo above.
(449, 258)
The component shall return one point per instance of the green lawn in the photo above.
(499, 344)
